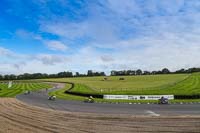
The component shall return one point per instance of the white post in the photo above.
(9, 84)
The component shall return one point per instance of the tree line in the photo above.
(26, 76)
(163, 71)
(91, 73)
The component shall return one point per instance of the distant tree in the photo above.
(153, 72)
(45, 75)
(6, 77)
(146, 73)
(130, 72)
(133, 72)
(98, 74)
(119, 73)
(37, 76)
(13, 77)
(192, 70)
(65, 74)
(77, 74)
(180, 71)
(89, 73)
(139, 72)
(159, 72)
(62, 74)
(125, 72)
(102, 74)
(27, 76)
(95, 74)
(82, 75)
(165, 71)
(1, 77)
(52, 76)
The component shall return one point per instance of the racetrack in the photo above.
(40, 98)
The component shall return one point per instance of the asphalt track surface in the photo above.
(40, 98)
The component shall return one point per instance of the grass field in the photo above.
(130, 82)
(20, 87)
(182, 84)
(179, 84)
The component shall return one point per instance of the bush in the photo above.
(121, 78)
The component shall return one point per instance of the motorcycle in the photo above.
(89, 100)
(163, 101)
(27, 92)
(53, 98)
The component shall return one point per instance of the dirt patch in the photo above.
(17, 117)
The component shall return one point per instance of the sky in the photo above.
(51, 36)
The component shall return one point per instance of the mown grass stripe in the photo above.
(20, 87)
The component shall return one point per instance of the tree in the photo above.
(13, 77)
(153, 72)
(26, 76)
(65, 74)
(181, 71)
(146, 73)
(139, 72)
(77, 74)
(133, 72)
(89, 73)
(1, 77)
(192, 70)
(165, 71)
(6, 77)
(102, 74)
(52, 76)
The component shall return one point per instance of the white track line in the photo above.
(151, 113)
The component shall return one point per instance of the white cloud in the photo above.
(65, 29)
(5, 52)
(56, 45)
(35, 66)
(28, 35)
(124, 8)
(171, 6)
(14, 63)
(23, 33)
(95, 29)
(50, 59)
(107, 58)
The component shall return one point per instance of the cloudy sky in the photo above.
(50, 36)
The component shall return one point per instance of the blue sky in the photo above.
(76, 35)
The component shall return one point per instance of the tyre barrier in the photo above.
(85, 95)
(186, 96)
